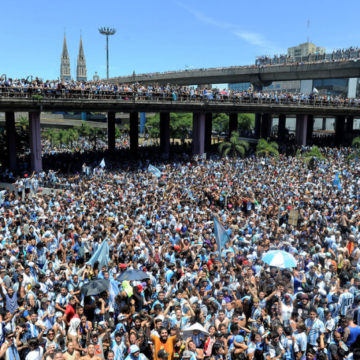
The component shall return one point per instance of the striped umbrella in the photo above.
(280, 259)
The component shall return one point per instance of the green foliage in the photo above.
(246, 122)
(264, 148)
(180, 125)
(220, 122)
(355, 144)
(311, 156)
(37, 97)
(118, 133)
(234, 146)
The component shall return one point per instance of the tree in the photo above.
(264, 148)
(63, 137)
(51, 135)
(220, 122)
(72, 135)
(118, 133)
(246, 122)
(234, 146)
(356, 153)
(127, 128)
(311, 156)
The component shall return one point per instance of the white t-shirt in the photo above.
(35, 354)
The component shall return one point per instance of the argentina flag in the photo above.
(221, 236)
(337, 182)
(154, 171)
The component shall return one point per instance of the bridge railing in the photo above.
(283, 60)
(173, 97)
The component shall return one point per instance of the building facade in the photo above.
(81, 73)
(305, 49)
(65, 70)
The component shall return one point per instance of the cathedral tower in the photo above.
(65, 71)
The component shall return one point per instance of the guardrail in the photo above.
(178, 97)
(283, 60)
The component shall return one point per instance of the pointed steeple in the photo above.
(81, 73)
(65, 53)
(65, 71)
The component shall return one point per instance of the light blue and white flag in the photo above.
(2, 196)
(18, 231)
(337, 182)
(221, 236)
(102, 164)
(101, 255)
(154, 170)
(113, 290)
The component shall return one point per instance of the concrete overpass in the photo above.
(202, 110)
(258, 76)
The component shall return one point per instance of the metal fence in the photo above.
(173, 97)
(283, 60)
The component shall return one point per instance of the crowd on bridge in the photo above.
(136, 91)
(217, 259)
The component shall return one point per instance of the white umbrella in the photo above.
(188, 331)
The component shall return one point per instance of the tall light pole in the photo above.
(107, 32)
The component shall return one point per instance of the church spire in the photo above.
(65, 71)
(81, 73)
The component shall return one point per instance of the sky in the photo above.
(164, 35)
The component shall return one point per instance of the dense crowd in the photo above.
(127, 263)
(136, 91)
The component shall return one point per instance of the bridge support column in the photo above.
(233, 122)
(165, 133)
(266, 124)
(257, 126)
(282, 127)
(349, 124)
(208, 131)
(339, 130)
(198, 133)
(310, 128)
(301, 129)
(11, 139)
(134, 130)
(323, 127)
(111, 131)
(83, 116)
(35, 141)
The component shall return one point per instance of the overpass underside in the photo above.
(344, 114)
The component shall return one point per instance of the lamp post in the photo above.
(107, 32)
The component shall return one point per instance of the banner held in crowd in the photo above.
(221, 236)
(154, 170)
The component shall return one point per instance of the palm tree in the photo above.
(311, 156)
(127, 128)
(355, 144)
(50, 135)
(264, 148)
(63, 137)
(234, 146)
(23, 123)
(73, 135)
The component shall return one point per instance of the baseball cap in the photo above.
(162, 353)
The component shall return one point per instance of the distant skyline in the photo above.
(165, 35)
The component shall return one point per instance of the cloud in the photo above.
(250, 37)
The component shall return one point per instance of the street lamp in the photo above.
(107, 32)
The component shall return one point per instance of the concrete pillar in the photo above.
(323, 127)
(257, 126)
(208, 131)
(134, 129)
(233, 122)
(35, 141)
(142, 122)
(83, 116)
(111, 131)
(282, 127)
(165, 133)
(301, 129)
(198, 133)
(310, 128)
(349, 124)
(339, 130)
(266, 124)
(352, 84)
(11, 139)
